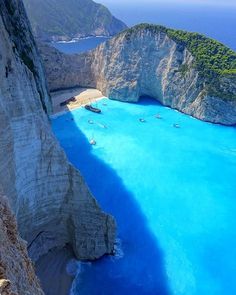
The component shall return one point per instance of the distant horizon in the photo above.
(215, 3)
(215, 19)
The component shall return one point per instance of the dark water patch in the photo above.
(172, 191)
(141, 269)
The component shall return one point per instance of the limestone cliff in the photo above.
(17, 276)
(50, 199)
(65, 71)
(157, 62)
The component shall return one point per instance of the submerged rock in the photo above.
(154, 61)
(49, 197)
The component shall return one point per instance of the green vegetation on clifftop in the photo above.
(213, 60)
(210, 55)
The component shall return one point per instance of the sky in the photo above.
(214, 18)
(188, 2)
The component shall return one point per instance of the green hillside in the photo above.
(213, 60)
(67, 19)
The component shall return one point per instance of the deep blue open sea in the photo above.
(172, 192)
(80, 46)
(218, 22)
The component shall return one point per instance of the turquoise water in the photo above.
(172, 192)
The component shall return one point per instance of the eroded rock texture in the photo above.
(49, 197)
(140, 62)
(17, 276)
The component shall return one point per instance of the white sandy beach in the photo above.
(83, 96)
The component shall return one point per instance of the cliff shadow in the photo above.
(138, 267)
(148, 100)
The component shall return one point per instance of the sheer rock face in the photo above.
(49, 197)
(17, 276)
(65, 71)
(143, 63)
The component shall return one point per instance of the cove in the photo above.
(79, 46)
(171, 190)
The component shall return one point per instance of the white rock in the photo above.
(51, 201)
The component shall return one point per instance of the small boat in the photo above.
(73, 99)
(158, 116)
(65, 102)
(142, 120)
(92, 142)
(90, 121)
(176, 125)
(102, 125)
(92, 109)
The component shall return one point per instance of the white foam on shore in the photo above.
(72, 267)
(75, 268)
(118, 249)
(74, 40)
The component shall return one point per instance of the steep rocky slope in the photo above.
(65, 71)
(154, 61)
(49, 197)
(17, 274)
(67, 19)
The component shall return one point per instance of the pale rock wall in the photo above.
(66, 71)
(148, 63)
(49, 197)
(142, 63)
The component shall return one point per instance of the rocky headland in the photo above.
(186, 71)
(64, 20)
(49, 198)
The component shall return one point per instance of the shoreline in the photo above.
(58, 114)
(89, 95)
(52, 271)
(74, 40)
(83, 96)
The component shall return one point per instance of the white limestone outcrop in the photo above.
(49, 197)
(144, 61)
